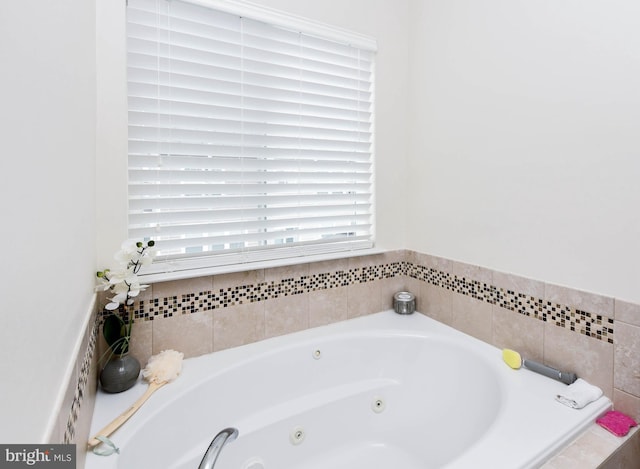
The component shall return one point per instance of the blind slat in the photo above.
(168, 203)
(245, 177)
(178, 148)
(188, 190)
(173, 162)
(179, 111)
(290, 213)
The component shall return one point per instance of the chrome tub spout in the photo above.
(225, 436)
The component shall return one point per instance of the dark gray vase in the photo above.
(120, 373)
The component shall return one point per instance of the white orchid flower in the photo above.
(117, 300)
(123, 281)
(112, 306)
(127, 252)
(135, 254)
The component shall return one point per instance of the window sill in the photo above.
(232, 268)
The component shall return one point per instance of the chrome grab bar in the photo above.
(222, 438)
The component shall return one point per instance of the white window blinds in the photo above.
(247, 140)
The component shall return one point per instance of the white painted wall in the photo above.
(525, 138)
(47, 117)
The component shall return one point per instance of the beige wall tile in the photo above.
(432, 262)
(399, 255)
(389, 257)
(413, 257)
(413, 286)
(364, 298)
(191, 334)
(514, 283)
(368, 261)
(329, 267)
(608, 441)
(286, 314)
(179, 287)
(328, 306)
(377, 259)
(586, 452)
(101, 347)
(287, 272)
(471, 316)
(248, 277)
(627, 404)
(472, 272)
(238, 325)
(391, 286)
(627, 312)
(589, 358)
(581, 300)
(627, 456)
(518, 332)
(142, 341)
(627, 358)
(436, 302)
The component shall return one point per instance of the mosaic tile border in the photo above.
(583, 322)
(251, 293)
(586, 323)
(81, 385)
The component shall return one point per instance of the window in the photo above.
(248, 139)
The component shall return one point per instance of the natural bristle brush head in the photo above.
(512, 358)
(163, 367)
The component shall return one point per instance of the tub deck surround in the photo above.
(415, 393)
(585, 333)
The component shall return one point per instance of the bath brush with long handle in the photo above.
(161, 369)
(515, 361)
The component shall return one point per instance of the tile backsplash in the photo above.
(595, 336)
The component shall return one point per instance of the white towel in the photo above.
(579, 394)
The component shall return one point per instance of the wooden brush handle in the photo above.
(123, 417)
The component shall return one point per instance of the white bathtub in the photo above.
(377, 392)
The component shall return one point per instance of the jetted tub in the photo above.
(374, 392)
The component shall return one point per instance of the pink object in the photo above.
(616, 422)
